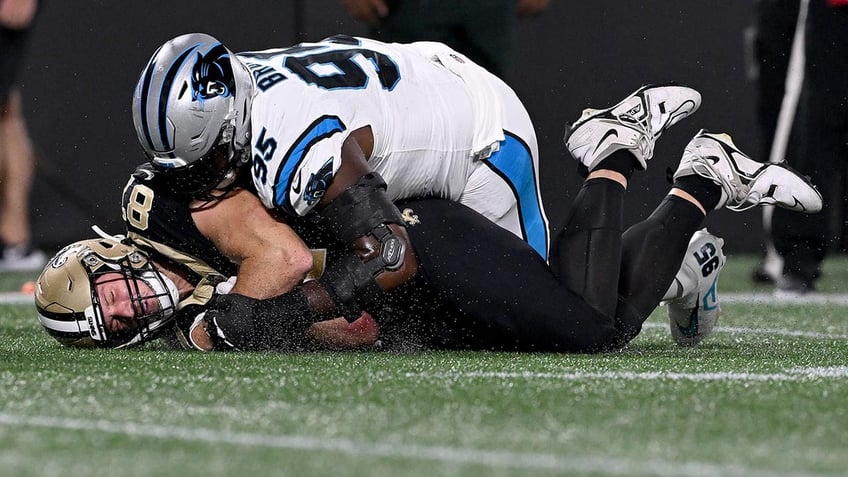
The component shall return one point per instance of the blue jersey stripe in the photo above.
(324, 127)
(514, 163)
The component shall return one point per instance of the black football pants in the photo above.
(600, 286)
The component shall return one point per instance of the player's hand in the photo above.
(236, 311)
(531, 7)
(240, 322)
(369, 11)
(338, 333)
(240, 305)
(17, 14)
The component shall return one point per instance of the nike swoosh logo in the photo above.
(610, 133)
(732, 153)
(692, 330)
(796, 206)
(681, 112)
(296, 184)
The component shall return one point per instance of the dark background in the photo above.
(85, 58)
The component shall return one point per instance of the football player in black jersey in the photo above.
(478, 287)
(179, 250)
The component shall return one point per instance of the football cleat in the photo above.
(692, 299)
(633, 124)
(746, 183)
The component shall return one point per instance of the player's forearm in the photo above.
(265, 278)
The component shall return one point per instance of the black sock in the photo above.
(704, 190)
(621, 161)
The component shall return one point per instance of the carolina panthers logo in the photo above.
(318, 182)
(212, 74)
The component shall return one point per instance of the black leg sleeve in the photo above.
(587, 253)
(653, 251)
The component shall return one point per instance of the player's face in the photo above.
(117, 293)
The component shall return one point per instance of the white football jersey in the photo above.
(442, 126)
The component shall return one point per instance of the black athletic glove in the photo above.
(247, 324)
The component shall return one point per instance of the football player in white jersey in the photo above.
(597, 292)
(338, 130)
(479, 287)
(602, 282)
(321, 123)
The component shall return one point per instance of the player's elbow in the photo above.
(291, 261)
(299, 260)
(404, 267)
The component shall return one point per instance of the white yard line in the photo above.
(501, 458)
(764, 331)
(769, 299)
(792, 374)
(16, 298)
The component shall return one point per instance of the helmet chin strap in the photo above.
(238, 157)
(228, 179)
(96, 228)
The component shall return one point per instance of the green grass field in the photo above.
(766, 394)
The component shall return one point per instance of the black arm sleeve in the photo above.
(362, 209)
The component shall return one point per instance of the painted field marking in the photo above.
(763, 331)
(791, 374)
(16, 298)
(770, 299)
(581, 464)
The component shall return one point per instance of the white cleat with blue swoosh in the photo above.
(692, 299)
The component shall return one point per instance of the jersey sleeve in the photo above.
(304, 170)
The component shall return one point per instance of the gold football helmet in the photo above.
(68, 304)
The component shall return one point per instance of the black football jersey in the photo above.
(158, 219)
(161, 222)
